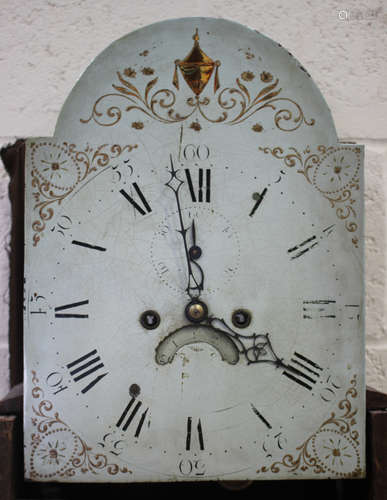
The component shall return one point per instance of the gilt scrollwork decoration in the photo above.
(58, 169)
(334, 171)
(58, 452)
(230, 105)
(333, 449)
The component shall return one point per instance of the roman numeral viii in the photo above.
(203, 193)
(303, 371)
(84, 367)
(142, 208)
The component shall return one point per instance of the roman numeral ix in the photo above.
(88, 245)
(145, 205)
(303, 371)
(84, 367)
(204, 183)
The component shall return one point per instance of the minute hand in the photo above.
(175, 184)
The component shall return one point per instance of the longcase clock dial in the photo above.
(193, 290)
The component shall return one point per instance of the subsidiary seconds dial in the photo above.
(220, 255)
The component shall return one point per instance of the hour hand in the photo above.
(195, 251)
(196, 274)
(195, 283)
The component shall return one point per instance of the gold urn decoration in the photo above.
(197, 69)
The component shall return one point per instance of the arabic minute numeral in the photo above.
(109, 443)
(329, 392)
(189, 467)
(193, 152)
(54, 381)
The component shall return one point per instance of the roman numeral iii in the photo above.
(319, 308)
(203, 193)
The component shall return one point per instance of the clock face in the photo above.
(194, 295)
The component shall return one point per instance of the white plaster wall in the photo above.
(46, 44)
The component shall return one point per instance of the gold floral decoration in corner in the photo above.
(334, 171)
(231, 105)
(56, 451)
(58, 169)
(333, 449)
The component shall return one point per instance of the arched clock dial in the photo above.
(193, 275)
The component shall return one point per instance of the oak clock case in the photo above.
(194, 269)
